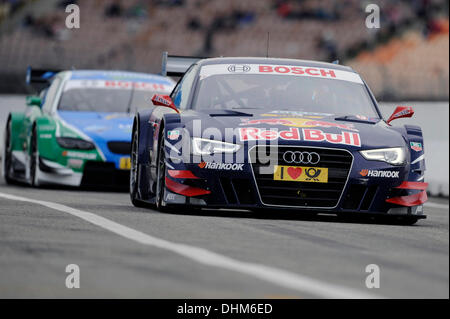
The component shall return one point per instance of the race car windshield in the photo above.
(105, 100)
(283, 92)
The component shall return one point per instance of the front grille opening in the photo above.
(368, 198)
(198, 182)
(104, 174)
(228, 190)
(244, 191)
(123, 148)
(302, 194)
(354, 196)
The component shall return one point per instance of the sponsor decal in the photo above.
(116, 84)
(312, 135)
(126, 127)
(346, 138)
(159, 98)
(81, 155)
(301, 157)
(297, 70)
(401, 113)
(173, 134)
(238, 68)
(298, 122)
(379, 173)
(96, 128)
(256, 134)
(222, 166)
(75, 163)
(416, 146)
(312, 173)
(118, 116)
(45, 136)
(273, 69)
(125, 163)
(300, 174)
(46, 127)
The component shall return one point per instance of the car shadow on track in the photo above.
(92, 188)
(311, 216)
(235, 213)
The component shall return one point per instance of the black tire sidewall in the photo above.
(34, 158)
(7, 153)
(134, 188)
(160, 181)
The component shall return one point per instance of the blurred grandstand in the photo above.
(407, 58)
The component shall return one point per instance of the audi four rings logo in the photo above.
(301, 157)
(238, 68)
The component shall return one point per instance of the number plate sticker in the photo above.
(300, 174)
(125, 163)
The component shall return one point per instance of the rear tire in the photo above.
(34, 160)
(134, 171)
(7, 155)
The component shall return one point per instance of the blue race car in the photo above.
(78, 131)
(265, 133)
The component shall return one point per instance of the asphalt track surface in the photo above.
(128, 252)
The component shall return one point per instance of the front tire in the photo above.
(134, 170)
(161, 179)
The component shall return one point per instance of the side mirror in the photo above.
(401, 111)
(164, 100)
(34, 100)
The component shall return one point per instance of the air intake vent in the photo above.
(120, 147)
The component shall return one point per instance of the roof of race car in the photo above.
(253, 60)
(118, 75)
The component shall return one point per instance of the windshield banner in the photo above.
(115, 84)
(273, 69)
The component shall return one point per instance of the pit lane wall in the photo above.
(433, 117)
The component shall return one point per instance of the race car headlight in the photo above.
(393, 156)
(74, 143)
(202, 146)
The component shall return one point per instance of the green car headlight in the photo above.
(75, 143)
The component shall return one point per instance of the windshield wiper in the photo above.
(230, 113)
(354, 118)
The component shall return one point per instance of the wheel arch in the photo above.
(145, 135)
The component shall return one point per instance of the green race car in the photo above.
(78, 130)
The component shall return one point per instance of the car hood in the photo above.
(315, 129)
(100, 126)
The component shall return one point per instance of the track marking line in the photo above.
(436, 205)
(203, 256)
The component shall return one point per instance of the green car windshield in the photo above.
(92, 99)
